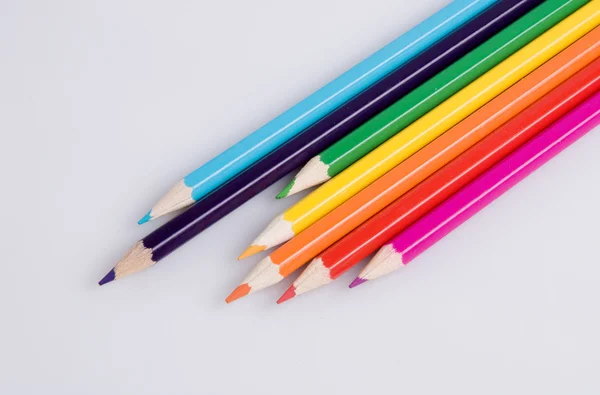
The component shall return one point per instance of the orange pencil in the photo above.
(421, 165)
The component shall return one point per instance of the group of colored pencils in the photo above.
(407, 145)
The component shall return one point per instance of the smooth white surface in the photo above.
(105, 104)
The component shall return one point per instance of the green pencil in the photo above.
(433, 92)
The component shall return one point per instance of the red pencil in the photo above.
(367, 238)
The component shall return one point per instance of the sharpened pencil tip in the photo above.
(357, 281)
(239, 292)
(108, 278)
(146, 218)
(252, 250)
(285, 192)
(289, 294)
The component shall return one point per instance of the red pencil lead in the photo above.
(289, 294)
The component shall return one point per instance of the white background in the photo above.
(105, 104)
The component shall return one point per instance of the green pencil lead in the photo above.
(284, 193)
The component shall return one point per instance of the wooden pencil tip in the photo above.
(289, 294)
(252, 250)
(357, 281)
(315, 172)
(239, 292)
(286, 191)
(145, 218)
(110, 276)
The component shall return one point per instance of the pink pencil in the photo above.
(482, 191)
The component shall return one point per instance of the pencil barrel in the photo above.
(264, 140)
(501, 178)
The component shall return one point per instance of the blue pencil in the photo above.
(327, 99)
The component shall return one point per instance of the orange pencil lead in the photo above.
(239, 292)
(253, 249)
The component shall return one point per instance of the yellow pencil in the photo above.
(426, 129)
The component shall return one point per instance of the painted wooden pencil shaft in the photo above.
(267, 138)
(357, 144)
(446, 115)
(477, 195)
(366, 239)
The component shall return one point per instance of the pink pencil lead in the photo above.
(357, 281)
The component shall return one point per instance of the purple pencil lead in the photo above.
(110, 276)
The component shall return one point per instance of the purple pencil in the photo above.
(482, 191)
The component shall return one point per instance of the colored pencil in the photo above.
(364, 240)
(348, 150)
(474, 197)
(333, 95)
(308, 244)
(295, 152)
(426, 129)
